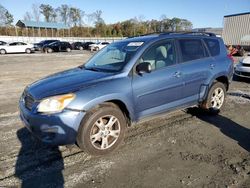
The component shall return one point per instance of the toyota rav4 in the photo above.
(92, 105)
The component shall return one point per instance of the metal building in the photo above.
(236, 30)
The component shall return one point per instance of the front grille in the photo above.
(28, 101)
(245, 73)
(245, 65)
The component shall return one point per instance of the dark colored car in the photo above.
(3, 43)
(39, 46)
(58, 46)
(86, 45)
(125, 82)
(77, 45)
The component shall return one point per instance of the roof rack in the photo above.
(178, 33)
(190, 33)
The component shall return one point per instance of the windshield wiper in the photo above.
(92, 69)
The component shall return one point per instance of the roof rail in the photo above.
(190, 33)
(178, 33)
(201, 33)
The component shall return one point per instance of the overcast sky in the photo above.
(202, 13)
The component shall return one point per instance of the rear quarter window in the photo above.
(213, 46)
(192, 49)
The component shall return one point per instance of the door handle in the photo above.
(177, 74)
(212, 66)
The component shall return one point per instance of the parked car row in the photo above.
(49, 46)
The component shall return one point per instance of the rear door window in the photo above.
(213, 46)
(192, 49)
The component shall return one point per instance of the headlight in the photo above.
(55, 104)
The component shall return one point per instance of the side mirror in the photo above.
(144, 67)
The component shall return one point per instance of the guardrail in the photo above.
(68, 39)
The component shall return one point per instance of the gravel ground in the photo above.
(182, 149)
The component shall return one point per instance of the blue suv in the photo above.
(92, 105)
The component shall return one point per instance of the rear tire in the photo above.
(3, 51)
(102, 130)
(81, 48)
(68, 50)
(28, 50)
(215, 100)
(49, 50)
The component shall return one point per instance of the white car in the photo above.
(242, 69)
(17, 47)
(98, 46)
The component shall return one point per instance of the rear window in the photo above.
(213, 46)
(192, 49)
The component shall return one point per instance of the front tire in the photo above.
(2, 51)
(68, 50)
(215, 100)
(102, 130)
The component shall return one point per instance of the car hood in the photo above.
(66, 82)
(246, 60)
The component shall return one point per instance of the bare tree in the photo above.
(90, 19)
(74, 14)
(5, 17)
(82, 14)
(98, 17)
(36, 12)
(27, 16)
(54, 16)
(2, 15)
(64, 13)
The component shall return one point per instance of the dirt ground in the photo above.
(183, 149)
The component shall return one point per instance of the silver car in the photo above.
(242, 69)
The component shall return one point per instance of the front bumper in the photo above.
(53, 129)
(242, 71)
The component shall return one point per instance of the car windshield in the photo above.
(113, 57)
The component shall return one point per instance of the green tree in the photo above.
(175, 24)
(186, 25)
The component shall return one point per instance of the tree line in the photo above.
(82, 24)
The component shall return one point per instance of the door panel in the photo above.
(161, 89)
(153, 91)
(195, 74)
(196, 68)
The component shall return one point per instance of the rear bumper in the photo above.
(52, 129)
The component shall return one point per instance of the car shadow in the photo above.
(228, 127)
(241, 79)
(38, 165)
